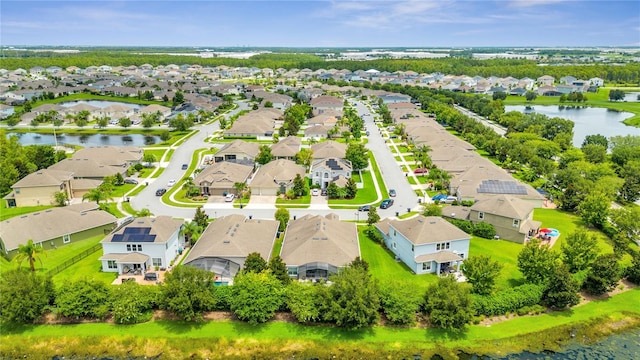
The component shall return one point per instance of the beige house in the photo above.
(316, 246)
(324, 103)
(227, 241)
(219, 178)
(329, 149)
(276, 177)
(286, 148)
(55, 227)
(38, 188)
(510, 216)
(98, 162)
(255, 124)
(238, 151)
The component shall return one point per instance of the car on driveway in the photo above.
(386, 203)
(392, 192)
(171, 183)
(229, 197)
(161, 191)
(421, 171)
(185, 166)
(364, 208)
(130, 181)
(315, 192)
(323, 192)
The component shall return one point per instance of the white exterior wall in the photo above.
(165, 251)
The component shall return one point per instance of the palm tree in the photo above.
(191, 231)
(29, 252)
(144, 212)
(96, 195)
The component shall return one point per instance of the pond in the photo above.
(588, 120)
(87, 140)
(631, 97)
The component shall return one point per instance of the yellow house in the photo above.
(38, 188)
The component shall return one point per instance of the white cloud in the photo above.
(531, 3)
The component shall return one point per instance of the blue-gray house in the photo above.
(427, 244)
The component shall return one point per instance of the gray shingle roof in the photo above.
(425, 230)
(162, 227)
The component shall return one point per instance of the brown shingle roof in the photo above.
(224, 174)
(426, 230)
(327, 149)
(506, 206)
(277, 171)
(44, 177)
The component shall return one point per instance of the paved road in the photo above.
(500, 130)
(393, 177)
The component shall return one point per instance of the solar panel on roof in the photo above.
(134, 234)
(502, 187)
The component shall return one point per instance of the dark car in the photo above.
(364, 208)
(161, 191)
(323, 192)
(185, 166)
(385, 204)
(392, 193)
(151, 276)
(131, 181)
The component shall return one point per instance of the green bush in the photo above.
(165, 135)
(133, 303)
(222, 296)
(464, 225)
(484, 230)
(84, 299)
(509, 300)
(374, 234)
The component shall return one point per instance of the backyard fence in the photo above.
(58, 269)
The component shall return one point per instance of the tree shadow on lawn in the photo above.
(180, 326)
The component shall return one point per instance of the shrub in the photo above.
(632, 273)
(464, 225)
(24, 295)
(508, 300)
(132, 303)
(165, 135)
(374, 234)
(256, 296)
(484, 230)
(84, 299)
(222, 296)
(400, 303)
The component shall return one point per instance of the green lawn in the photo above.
(567, 223)
(156, 174)
(87, 268)
(112, 208)
(120, 190)
(298, 202)
(126, 206)
(137, 190)
(506, 253)
(365, 195)
(7, 213)
(155, 152)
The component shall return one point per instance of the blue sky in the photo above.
(315, 23)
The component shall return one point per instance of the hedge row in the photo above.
(508, 301)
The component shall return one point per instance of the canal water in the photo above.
(87, 140)
(588, 120)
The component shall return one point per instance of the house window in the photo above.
(412, 249)
(66, 238)
(480, 215)
(443, 246)
(111, 264)
(326, 175)
(394, 245)
(426, 266)
(17, 190)
(317, 173)
(128, 247)
(140, 247)
(394, 233)
(293, 271)
(156, 262)
(516, 222)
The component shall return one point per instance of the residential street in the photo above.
(497, 128)
(393, 176)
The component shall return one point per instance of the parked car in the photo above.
(392, 192)
(449, 200)
(229, 197)
(364, 208)
(151, 276)
(323, 192)
(185, 166)
(130, 181)
(315, 192)
(171, 183)
(385, 204)
(161, 191)
(421, 171)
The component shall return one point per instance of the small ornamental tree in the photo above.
(254, 263)
(299, 186)
(579, 250)
(562, 290)
(282, 215)
(353, 299)
(279, 269)
(256, 296)
(351, 188)
(449, 304)
(372, 216)
(481, 272)
(264, 156)
(187, 292)
(633, 271)
(201, 218)
(535, 261)
(604, 275)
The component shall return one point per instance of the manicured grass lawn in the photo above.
(120, 190)
(137, 190)
(155, 152)
(112, 208)
(128, 208)
(7, 213)
(506, 253)
(302, 200)
(365, 195)
(567, 223)
(156, 174)
(87, 268)
(385, 269)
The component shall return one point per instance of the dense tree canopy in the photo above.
(24, 295)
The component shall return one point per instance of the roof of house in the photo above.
(421, 230)
(82, 168)
(504, 205)
(223, 174)
(146, 229)
(439, 257)
(257, 122)
(85, 184)
(44, 177)
(327, 149)
(287, 147)
(52, 223)
(336, 164)
(235, 236)
(239, 146)
(326, 100)
(275, 172)
(320, 239)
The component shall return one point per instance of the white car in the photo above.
(171, 183)
(315, 192)
(229, 197)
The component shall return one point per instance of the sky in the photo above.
(316, 23)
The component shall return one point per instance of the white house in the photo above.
(141, 245)
(324, 171)
(427, 244)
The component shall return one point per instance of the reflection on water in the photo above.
(87, 140)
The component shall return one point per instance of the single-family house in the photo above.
(6, 111)
(54, 227)
(100, 161)
(255, 124)
(38, 188)
(276, 177)
(238, 151)
(426, 244)
(286, 148)
(143, 244)
(227, 241)
(546, 80)
(325, 171)
(324, 103)
(219, 178)
(510, 216)
(317, 246)
(395, 98)
(329, 149)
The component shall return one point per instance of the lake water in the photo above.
(99, 103)
(631, 97)
(87, 140)
(588, 120)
